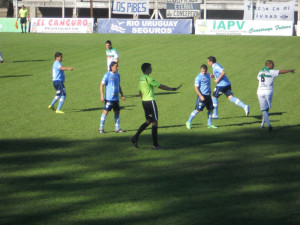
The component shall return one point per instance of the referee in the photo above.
(146, 86)
(23, 13)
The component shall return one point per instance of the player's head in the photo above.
(270, 64)
(211, 60)
(108, 44)
(23, 6)
(146, 68)
(113, 67)
(203, 69)
(58, 56)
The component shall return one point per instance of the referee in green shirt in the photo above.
(146, 91)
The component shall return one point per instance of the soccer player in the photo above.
(223, 86)
(111, 54)
(266, 78)
(146, 91)
(1, 58)
(23, 13)
(202, 88)
(113, 88)
(58, 77)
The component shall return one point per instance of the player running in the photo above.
(113, 88)
(203, 90)
(111, 54)
(223, 86)
(266, 78)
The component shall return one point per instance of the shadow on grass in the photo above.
(15, 76)
(258, 117)
(248, 177)
(37, 60)
(127, 107)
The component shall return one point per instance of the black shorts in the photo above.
(108, 105)
(60, 88)
(23, 20)
(150, 109)
(206, 103)
(222, 90)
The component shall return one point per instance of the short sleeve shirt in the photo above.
(23, 12)
(202, 81)
(112, 82)
(146, 86)
(217, 70)
(57, 74)
(266, 78)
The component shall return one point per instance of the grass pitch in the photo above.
(56, 169)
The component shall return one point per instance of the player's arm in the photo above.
(66, 68)
(121, 92)
(286, 71)
(220, 77)
(101, 92)
(166, 88)
(199, 93)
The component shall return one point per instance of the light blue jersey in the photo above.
(202, 81)
(217, 70)
(112, 83)
(57, 74)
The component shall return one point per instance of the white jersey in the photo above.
(111, 56)
(266, 78)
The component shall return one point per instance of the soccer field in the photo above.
(57, 169)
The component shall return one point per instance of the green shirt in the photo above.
(146, 86)
(23, 12)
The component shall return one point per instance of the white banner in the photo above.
(244, 27)
(248, 10)
(62, 25)
(138, 7)
(275, 11)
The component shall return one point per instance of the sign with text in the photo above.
(275, 11)
(244, 27)
(62, 25)
(133, 7)
(183, 8)
(143, 26)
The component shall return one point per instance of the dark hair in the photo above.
(145, 67)
(108, 42)
(57, 54)
(112, 64)
(212, 59)
(204, 67)
(269, 62)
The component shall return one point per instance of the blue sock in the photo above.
(54, 100)
(209, 118)
(215, 104)
(237, 102)
(61, 102)
(117, 121)
(102, 121)
(192, 116)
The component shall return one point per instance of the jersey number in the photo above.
(262, 77)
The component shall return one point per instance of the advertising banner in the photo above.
(275, 11)
(149, 26)
(10, 25)
(183, 8)
(244, 27)
(62, 25)
(133, 7)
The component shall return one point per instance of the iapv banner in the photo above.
(149, 26)
(132, 7)
(62, 25)
(244, 27)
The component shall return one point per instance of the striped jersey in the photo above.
(266, 78)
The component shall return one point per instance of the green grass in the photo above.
(56, 169)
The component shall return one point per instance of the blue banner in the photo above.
(130, 26)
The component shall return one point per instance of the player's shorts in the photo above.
(60, 88)
(150, 109)
(222, 90)
(23, 20)
(265, 99)
(108, 105)
(206, 103)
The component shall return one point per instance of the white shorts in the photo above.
(265, 99)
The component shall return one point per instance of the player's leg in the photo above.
(22, 24)
(57, 87)
(154, 136)
(1, 57)
(117, 109)
(265, 104)
(210, 108)
(199, 107)
(235, 100)
(102, 120)
(216, 94)
(62, 98)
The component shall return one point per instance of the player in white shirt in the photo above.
(266, 78)
(112, 54)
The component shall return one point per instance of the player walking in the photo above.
(202, 88)
(146, 91)
(58, 77)
(113, 88)
(223, 86)
(111, 54)
(266, 78)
